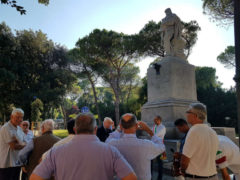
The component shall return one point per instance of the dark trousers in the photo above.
(11, 173)
(160, 167)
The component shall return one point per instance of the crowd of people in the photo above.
(90, 152)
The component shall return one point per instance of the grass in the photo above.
(61, 133)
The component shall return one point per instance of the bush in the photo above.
(61, 133)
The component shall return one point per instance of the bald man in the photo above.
(138, 152)
(104, 131)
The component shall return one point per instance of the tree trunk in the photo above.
(95, 99)
(64, 116)
(117, 116)
(237, 54)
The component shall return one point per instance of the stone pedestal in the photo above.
(170, 91)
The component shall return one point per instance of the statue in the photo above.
(171, 28)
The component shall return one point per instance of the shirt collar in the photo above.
(85, 137)
(12, 126)
(129, 136)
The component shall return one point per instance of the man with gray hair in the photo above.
(85, 157)
(104, 131)
(10, 144)
(39, 145)
(200, 148)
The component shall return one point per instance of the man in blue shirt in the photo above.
(85, 157)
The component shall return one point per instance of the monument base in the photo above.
(169, 110)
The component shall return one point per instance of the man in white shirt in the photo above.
(228, 156)
(160, 131)
(138, 152)
(158, 128)
(26, 133)
(200, 148)
(10, 144)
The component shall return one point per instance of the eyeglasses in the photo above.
(190, 112)
(25, 125)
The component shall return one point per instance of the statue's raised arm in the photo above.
(171, 28)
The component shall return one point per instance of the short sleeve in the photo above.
(121, 167)
(6, 135)
(191, 144)
(46, 168)
(221, 159)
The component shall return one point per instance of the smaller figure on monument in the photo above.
(171, 28)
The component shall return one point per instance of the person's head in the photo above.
(168, 11)
(158, 120)
(129, 123)
(85, 124)
(17, 116)
(107, 123)
(25, 126)
(70, 126)
(182, 125)
(196, 114)
(47, 125)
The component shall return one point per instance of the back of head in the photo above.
(48, 125)
(70, 126)
(199, 109)
(85, 124)
(128, 121)
(180, 122)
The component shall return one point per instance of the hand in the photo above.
(143, 126)
(24, 169)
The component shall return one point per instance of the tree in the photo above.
(148, 40)
(32, 66)
(85, 67)
(21, 9)
(36, 108)
(228, 57)
(219, 10)
(115, 51)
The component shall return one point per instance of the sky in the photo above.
(65, 21)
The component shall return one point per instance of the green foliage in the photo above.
(227, 58)
(206, 77)
(148, 40)
(61, 133)
(114, 52)
(32, 66)
(221, 103)
(36, 108)
(20, 9)
(219, 10)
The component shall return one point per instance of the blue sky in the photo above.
(65, 21)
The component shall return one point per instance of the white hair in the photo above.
(200, 109)
(107, 119)
(26, 122)
(48, 125)
(17, 110)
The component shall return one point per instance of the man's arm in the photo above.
(131, 176)
(24, 153)
(225, 174)
(14, 145)
(36, 177)
(184, 163)
(143, 126)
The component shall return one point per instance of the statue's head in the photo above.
(168, 11)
